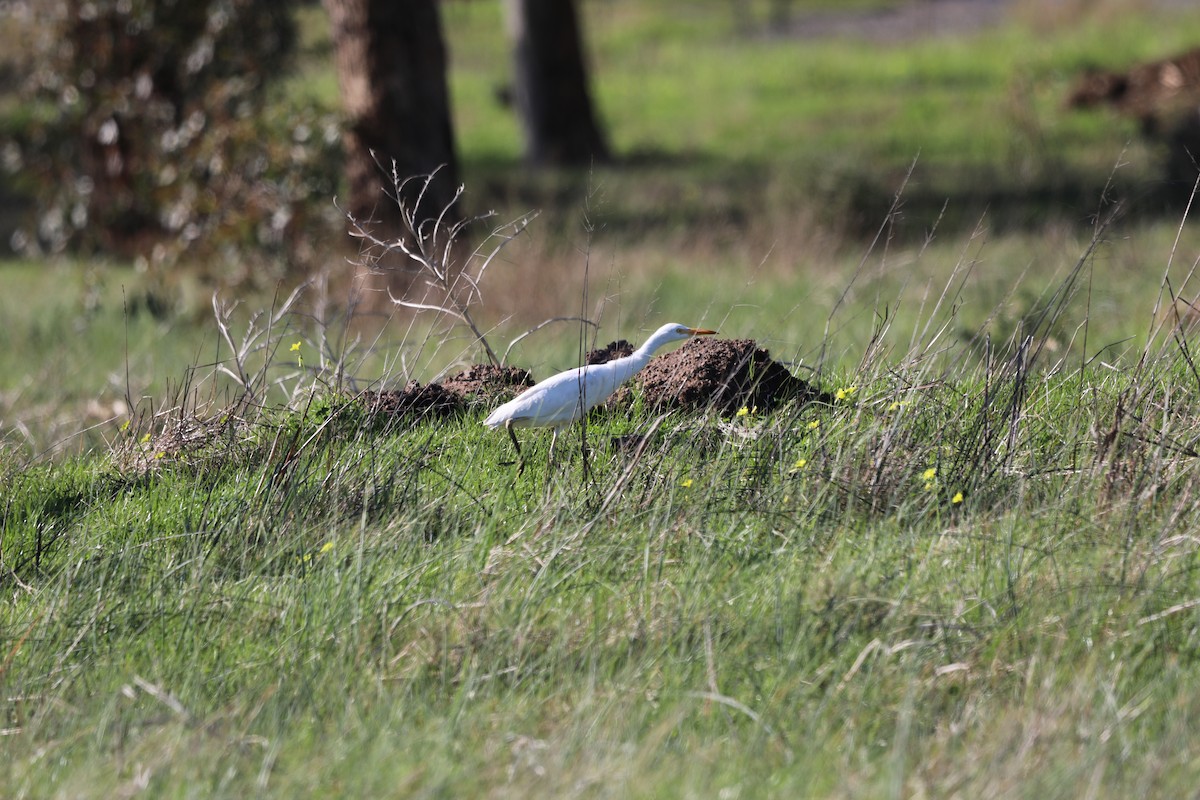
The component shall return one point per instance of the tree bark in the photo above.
(551, 84)
(391, 64)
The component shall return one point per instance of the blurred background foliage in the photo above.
(147, 129)
(205, 138)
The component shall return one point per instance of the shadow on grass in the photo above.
(652, 194)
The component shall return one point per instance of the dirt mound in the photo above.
(413, 400)
(480, 383)
(618, 349)
(487, 382)
(725, 374)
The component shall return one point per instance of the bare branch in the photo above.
(222, 316)
(426, 307)
(428, 245)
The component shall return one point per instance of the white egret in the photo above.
(563, 398)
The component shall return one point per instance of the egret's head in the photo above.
(684, 332)
(672, 332)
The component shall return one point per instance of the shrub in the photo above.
(147, 131)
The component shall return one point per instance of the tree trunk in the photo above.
(391, 63)
(551, 84)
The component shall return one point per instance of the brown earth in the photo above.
(722, 374)
(480, 383)
(487, 382)
(618, 349)
(413, 400)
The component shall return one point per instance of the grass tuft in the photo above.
(976, 544)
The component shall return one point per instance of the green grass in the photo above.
(989, 102)
(76, 340)
(290, 601)
(307, 604)
(90, 354)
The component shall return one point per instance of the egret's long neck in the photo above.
(625, 368)
(644, 352)
(631, 364)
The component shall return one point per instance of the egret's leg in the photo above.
(550, 457)
(508, 426)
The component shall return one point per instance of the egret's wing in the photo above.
(564, 397)
(554, 401)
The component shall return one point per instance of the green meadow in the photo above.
(974, 573)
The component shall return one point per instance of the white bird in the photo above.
(563, 398)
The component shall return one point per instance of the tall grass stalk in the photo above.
(971, 573)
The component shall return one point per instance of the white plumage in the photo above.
(563, 398)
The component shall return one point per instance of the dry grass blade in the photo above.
(539, 326)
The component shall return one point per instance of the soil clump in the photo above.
(413, 400)
(618, 349)
(486, 382)
(725, 375)
(722, 374)
(479, 384)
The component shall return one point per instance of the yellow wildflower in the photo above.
(743, 411)
(958, 498)
(930, 478)
(816, 423)
(686, 483)
(843, 394)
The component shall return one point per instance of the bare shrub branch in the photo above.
(427, 249)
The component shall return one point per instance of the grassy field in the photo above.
(979, 581)
(974, 574)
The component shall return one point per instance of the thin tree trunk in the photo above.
(391, 64)
(551, 84)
